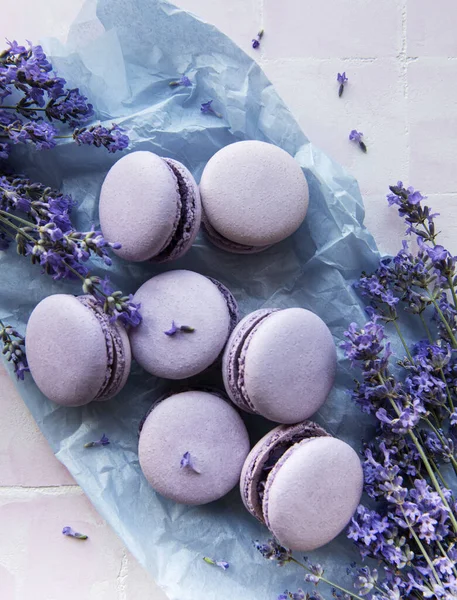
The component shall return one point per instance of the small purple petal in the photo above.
(187, 462)
(103, 441)
(71, 533)
(355, 136)
(173, 329)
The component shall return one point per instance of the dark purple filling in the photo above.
(183, 230)
(275, 454)
(222, 242)
(231, 303)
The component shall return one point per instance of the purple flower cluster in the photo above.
(14, 349)
(44, 232)
(112, 139)
(413, 527)
(27, 71)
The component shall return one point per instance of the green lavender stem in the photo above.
(426, 462)
(32, 239)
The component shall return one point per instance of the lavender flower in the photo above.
(222, 564)
(103, 441)
(187, 462)
(176, 328)
(207, 109)
(40, 134)
(272, 550)
(28, 72)
(183, 81)
(45, 233)
(14, 349)
(112, 139)
(4, 150)
(71, 533)
(356, 136)
(342, 79)
(256, 40)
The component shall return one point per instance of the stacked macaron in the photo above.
(303, 484)
(280, 364)
(254, 195)
(151, 206)
(75, 353)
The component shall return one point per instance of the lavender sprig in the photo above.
(68, 531)
(14, 349)
(45, 96)
(272, 550)
(45, 233)
(112, 139)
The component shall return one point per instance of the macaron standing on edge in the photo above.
(151, 206)
(303, 484)
(75, 354)
(280, 364)
(187, 319)
(254, 194)
(192, 447)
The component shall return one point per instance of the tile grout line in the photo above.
(25, 492)
(122, 576)
(404, 60)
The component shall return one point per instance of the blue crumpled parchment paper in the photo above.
(122, 54)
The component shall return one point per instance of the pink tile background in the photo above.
(400, 56)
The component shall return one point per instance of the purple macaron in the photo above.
(280, 364)
(151, 206)
(75, 354)
(187, 319)
(303, 484)
(192, 447)
(254, 195)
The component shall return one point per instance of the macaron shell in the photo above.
(252, 471)
(231, 357)
(187, 298)
(207, 427)
(66, 350)
(139, 204)
(289, 365)
(224, 244)
(254, 193)
(312, 493)
(122, 362)
(190, 222)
